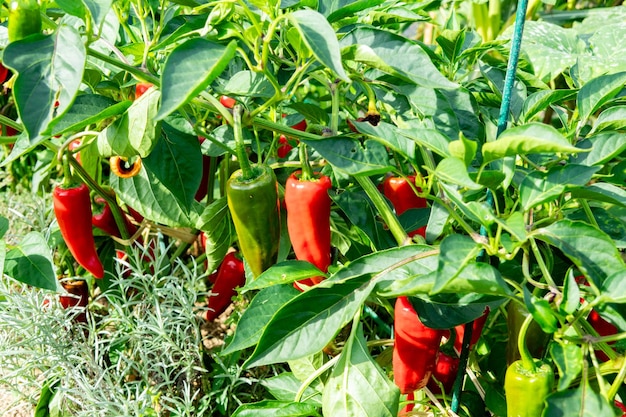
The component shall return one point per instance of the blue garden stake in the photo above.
(505, 107)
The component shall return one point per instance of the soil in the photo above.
(9, 407)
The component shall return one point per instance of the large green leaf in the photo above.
(135, 132)
(527, 139)
(541, 187)
(349, 156)
(273, 408)
(89, 109)
(30, 262)
(568, 358)
(260, 311)
(587, 247)
(602, 147)
(540, 100)
(216, 225)
(357, 385)
(597, 92)
(320, 37)
(581, 401)
(307, 323)
(454, 171)
(284, 387)
(50, 70)
(388, 135)
(189, 69)
(613, 118)
(284, 273)
(176, 162)
(601, 191)
(393, 54)
(336, 10)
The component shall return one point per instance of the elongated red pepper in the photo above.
(203, 188)
(399, 191)
(308, 220)
(415, 349)
(230, 275)
(72, 208)
(477, 329)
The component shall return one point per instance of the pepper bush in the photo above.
(533, 217)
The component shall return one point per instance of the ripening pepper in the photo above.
(105, 221)
(477, 328)
(24, 19)
(77, 295)
(141, 88)
(445, 373)
(415, 350)
(527, 382)
(230, 275)
(228, 102)
(255, 209)
(308, 220)
(72, 208)
(402, 197)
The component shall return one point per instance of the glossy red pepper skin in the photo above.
(4, 73)
(72, 208)
(415, 350)
(228, 102)
(230, 275)
(105, 221)
(308, 221)
(141, 88)
(477, 329)
(402, 197)
(445, 372)
(285, 144)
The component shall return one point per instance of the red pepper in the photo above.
(228, 102)
(72, 208)
(204, 181)
(445, 372)
(477, 328)
(78, 295)
(4, 73)
(106, 222)
(230, 275)
(415, 349)
(604, 328)
(308, 221)
(620, 406)
(409, 407)
(286, 144)
(402, 197)
(141, 88)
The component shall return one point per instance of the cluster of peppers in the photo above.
(419, 360)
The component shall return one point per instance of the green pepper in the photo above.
(24, 19)
(528, 381)
(252, 195)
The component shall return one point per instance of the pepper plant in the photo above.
(189, 111)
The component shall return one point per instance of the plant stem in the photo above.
(528, 362)
(307, 172)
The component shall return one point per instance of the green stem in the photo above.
(334, 117)
(585, 205)
(307, 172)
(383, 209)
(318, 372)
(618, 382)
(11, 123)
(528, 362)
(242, 156)
(542, 265)
(142, 75)
(67, 173)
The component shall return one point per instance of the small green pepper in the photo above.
(527, 382)
(252, 195)
(24, 19)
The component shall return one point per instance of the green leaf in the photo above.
(587, 247)
(479, 212)
(456, 252)
(48, 391)
(453, 170)
(450, 311)
(30, 262)
(428, 138)
(350, 157)
(394, 55)
(89, 109)
(388, 135)
(307, 323)
(284, 387)
(320, 37)
(249, 84)
(601, 191)
(50, 69)
(176, 162)
(581, 401)
(284, 273)
(540, 100)
(571, 295)
(4, 227)
(597, 92)
(541, 311)
(216, 225)
(254, 319)
(463, 149)
(569, 361)
(614, 288)
(273, 408)
(98, 10)
(346, 8)
(541, 187)
(357, 385)
(600, 148)
(527, 139)
(189, 69)
(613, 118)
(135, 132)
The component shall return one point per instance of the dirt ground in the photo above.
(8, 408)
